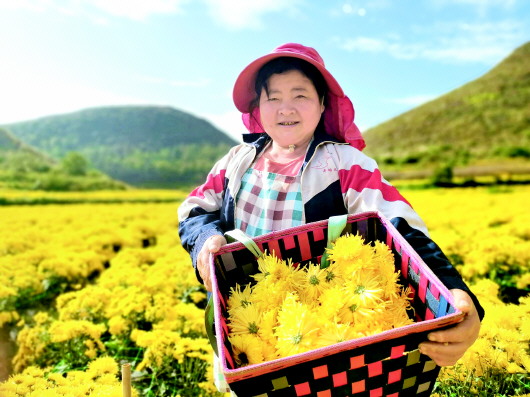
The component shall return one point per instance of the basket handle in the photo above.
(239, 235)
(336, 225)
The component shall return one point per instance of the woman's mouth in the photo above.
(288, 123)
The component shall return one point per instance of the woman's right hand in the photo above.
(211, 246)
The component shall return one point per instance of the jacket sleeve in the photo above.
(364, 189)
(199, 214)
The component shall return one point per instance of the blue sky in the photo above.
(59, 56)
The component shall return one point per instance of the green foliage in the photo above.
(22, 167)
(491, 383)
(442, 176)
(22, 161)
(74, 164)
(167, 167)
(57, 182)
(484, 122)
(513, 151)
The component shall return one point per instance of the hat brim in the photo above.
(244, 92)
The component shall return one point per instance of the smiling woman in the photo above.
(302, 163)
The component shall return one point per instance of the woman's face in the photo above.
(291, 111)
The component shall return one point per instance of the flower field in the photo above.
(88, 286)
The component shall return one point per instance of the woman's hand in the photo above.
(448, 346)
(211, 246)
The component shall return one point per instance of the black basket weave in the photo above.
(386, 364)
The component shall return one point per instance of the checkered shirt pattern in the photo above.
(267, 202)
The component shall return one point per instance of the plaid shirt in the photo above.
(268, 201)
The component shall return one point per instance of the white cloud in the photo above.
(448, 42)
(247, 14)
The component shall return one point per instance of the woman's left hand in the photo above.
(448, 346)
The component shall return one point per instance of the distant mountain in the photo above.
(149, 146)
(485, 123)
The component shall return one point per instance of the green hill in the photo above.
(482, 127)
(23, 167)
(148, 146)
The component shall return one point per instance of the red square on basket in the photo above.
(302, 389)
(397, 351)
(375, 369)
(340, 379)
(357, 361)
(324, 393)
(394, 376)
(320, 372)
(376, 392)
(357, 387)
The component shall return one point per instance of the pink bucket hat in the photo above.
(338, 115)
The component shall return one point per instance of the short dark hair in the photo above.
(286, 64)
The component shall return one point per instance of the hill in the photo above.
(149, 146)
(482, 126)
(23, 167)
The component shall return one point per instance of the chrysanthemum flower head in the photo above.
(350, 253)
(239, 297)
(247, 349)
(297, 329)
(245, 320)
(330, 302)
(335, 332)
(314, 283)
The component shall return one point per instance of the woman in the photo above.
(302, 162)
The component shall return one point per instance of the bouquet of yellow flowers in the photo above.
(290, 309)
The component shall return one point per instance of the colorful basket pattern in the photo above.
(387, 364)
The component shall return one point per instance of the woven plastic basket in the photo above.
(386, 364)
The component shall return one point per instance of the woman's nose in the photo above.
(286, 108)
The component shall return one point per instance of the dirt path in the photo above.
(6, 354)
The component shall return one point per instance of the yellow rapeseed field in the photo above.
(86, 287)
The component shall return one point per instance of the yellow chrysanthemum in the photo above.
(366, 286)
(335, 332)
(239, 297)
(273, 269)
(267, 294)
(333, 276)
(314, 283)
(102, 366)
(297, 329)
(268, 323)
(247, 349)
(354, 312)
(330, 303)
(245, 320)
(350, 253)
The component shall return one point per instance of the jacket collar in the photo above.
(259, 140)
